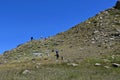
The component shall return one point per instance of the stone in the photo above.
(93, 42)
(36, 67)
(118, 30)
(101, 18)
(97, 64)
(74, 64)
(112, 38)
(38, 64)
(115, 65)
(68, 64)
(107, 67)
(38, 54)
(96, 32)
(26, 72)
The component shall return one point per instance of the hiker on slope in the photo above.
(57, 54)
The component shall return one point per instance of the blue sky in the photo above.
(21, 19)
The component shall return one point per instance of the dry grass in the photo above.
(54, 71)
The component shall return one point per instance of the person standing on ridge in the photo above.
(31, 38)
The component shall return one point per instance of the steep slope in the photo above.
(90, 48)
(98, 35)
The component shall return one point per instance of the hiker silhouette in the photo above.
(31, 38)
(57, 54)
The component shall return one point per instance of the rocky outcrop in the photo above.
(117, 6)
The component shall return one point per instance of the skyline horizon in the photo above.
(34, 19)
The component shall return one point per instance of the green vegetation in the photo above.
(90, 51)
(84, 71)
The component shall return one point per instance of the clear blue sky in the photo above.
(21, 19)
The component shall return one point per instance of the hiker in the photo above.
(31, 38)
(57, 55)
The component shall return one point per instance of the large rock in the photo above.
(116, 65)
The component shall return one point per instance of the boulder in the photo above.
(115, 65)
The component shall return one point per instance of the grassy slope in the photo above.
(59, 72)
(76, 46)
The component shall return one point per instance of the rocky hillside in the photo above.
(97, 36)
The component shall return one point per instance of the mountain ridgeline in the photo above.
(99, 35)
